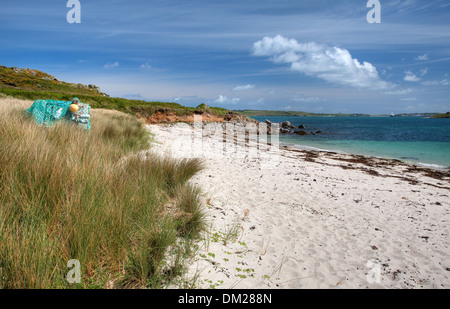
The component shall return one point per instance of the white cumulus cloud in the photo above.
(330, 63)
(411, 77)
(225, 100)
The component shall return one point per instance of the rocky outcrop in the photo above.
(237, 117)
(286, 125)
(92, 87)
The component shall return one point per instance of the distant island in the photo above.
(272, 113)
(257, 113)
(446, 115)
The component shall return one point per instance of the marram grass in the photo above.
(67, 193)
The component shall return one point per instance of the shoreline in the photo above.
(318, 220)
(426, 144)
(343, 152)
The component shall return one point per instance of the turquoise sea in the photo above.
(412, 139)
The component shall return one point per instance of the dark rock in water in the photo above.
(319, 132)
(283, 130)
(301, 132)
(302, 126)
(286, 124)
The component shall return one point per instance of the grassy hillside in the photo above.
(35, 80)
(31, 84)
(67, 193)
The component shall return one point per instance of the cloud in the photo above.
(111, 65)
(332, 64)
(422, 58)
(224, 100)
(444, 82)
(145, 66)
(306, 99)
(411, 77)
(246, 87)
(400, 92)
(431, 83)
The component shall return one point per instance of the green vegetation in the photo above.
(446, 115)
(34, 80)
(129, 217)
(30, 84)
(142, 108)
(212, 110)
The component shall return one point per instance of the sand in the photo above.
(313, 219)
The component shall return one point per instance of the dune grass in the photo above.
(66, 193)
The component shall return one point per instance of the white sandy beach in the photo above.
(313, 220)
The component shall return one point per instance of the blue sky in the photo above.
(315, 56)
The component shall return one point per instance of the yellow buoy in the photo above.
(74, 108)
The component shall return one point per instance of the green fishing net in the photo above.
(46, 112)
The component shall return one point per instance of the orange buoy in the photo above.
(74, 108)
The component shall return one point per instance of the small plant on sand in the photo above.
(231, 232)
